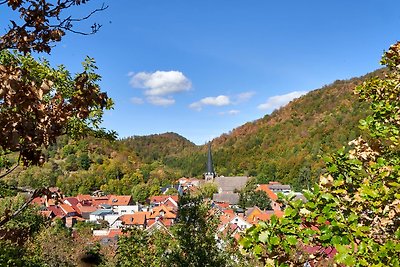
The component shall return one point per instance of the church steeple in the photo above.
(210, 174)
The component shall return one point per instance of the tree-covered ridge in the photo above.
(157, 146)
(286, 145)
(283, 146)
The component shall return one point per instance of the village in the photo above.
(115, 213)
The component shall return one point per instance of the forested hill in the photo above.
(157, 146)
(284, 146)
(287, 144)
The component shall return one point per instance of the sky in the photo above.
(203, 68)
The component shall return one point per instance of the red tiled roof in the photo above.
(270, 194)
(67, 208)
(50, 202)
(81, 197)
(157, 212)
(114, 232)
(119, 200)
(162, 198)
(57, 211)
(158, 199)
(39, 201)
(138, 218)
(258, 215)
(229, 211)
(73, 201)
(96, 201)
(85, 209)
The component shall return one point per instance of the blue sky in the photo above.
(203, 68)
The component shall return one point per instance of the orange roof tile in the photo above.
(39, 201)
(162, 211)
(270, 194)
(51, 202)
(138, 218)
(119, 200)
(162, 198)
(85, 209)
(57, 211)
(67, 208)
(96, 201)
(81, 197)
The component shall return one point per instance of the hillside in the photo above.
(157, 146)
(287, 144)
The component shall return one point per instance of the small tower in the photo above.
(210, 174)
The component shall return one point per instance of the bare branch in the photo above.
(17, 212)
(13, 168)
(102, 8)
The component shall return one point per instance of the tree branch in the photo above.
(16, 213)
(12, 169)
(35, 193)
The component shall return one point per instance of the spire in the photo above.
(210, 174)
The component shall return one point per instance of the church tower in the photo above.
(210, 174)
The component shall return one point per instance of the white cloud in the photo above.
(160, 101)
(275, 102)
(221, 100)
(137, 100)
(160, 83)
(230, 112)
(242, 97)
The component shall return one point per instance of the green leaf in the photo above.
(291, 240)
(274, 240)
(264, 236)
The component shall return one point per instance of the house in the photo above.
(137, 219)
(277, 187)
(99, 215)
(166, 214)
(108, 236)
(48, 214)
(157, 226)
(85, 210)
(254, 215)
(71, 201)
(229, 198)
(231, 184)
(97, 201)
(128, 209)
(228, 187)
(271, 195)
(114, 200)
(57, 211)
(84, 199)
(171, 201)
(68, 210)
(39, 201)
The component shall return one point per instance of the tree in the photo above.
(39, 103)
(250, 197)
(355, 208)
(42, 23)
(195, 232)
(207, 190)
(192, 241)
(141, 248)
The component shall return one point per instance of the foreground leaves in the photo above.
(352, 216)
